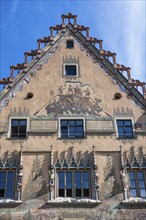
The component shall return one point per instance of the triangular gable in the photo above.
(87, 44)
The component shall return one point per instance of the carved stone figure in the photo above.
(125, 184)
(125, 180)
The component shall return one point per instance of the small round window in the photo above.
(29, 95)
(117, 96)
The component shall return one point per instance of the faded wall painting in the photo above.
(76, 98)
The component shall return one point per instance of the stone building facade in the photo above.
(73, 132)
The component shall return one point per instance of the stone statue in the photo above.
(125, 184)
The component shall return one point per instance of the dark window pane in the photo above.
(78, 184)
(132, 184)
(85, 192)
(2, 184)
(78, 180)
(77, 175)
(120, 131)
(10, 175)
(61, 180)
(2, 175)
(63, 123)
(131, 175)
(85, 175)
(69, 192)
(140, 175)
(64, 132)
(143, 193)
(79, 123)
(69, 180)
(14, 131)
(61, 184)
(23, 122)
(9, 185)
(22, 131)
(15, 122)
(61, 192)
(9, 193)
(85, 184)
(141, 184)
(128, 123)
(133, 192)
(120, 123)
(2, 193)
(79, 132)
(78, 193)
(70, 70)
(72, 132)
(70, 44)
(128, 132)
(71, 123)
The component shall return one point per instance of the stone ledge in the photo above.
(134, 200)
(142, 132)
(10, 201)
(72, 200)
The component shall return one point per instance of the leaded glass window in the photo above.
(18, 128)
(137, 183)
(71, 128)
(125, 129)
(73, 183)
(7, 184)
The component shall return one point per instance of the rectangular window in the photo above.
(125, 129)
(73, 183)
(70, 70)
(18, 128)
(137, 184)
(71, 128)
(7, 184)
(69, 44)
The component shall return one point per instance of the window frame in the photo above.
(132, 126)
(71, 119)
(13, 185)
(70, 64)
(73, 171)
(136, 180)
(9, 134)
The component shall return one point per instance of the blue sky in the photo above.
(120, 24)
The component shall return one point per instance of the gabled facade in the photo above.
(73, 132)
